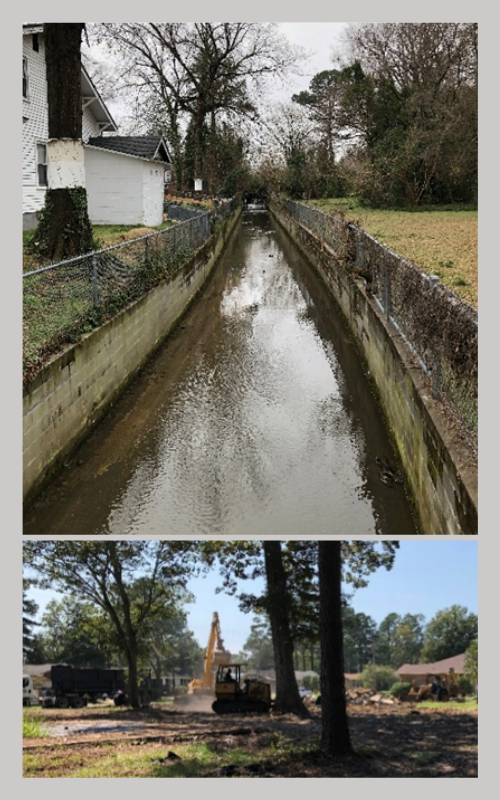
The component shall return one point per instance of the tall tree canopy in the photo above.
(449, 633)
(129, 581)
(410, 93)
(78, 633)
(359, 636)
(196, 75)
(291, 593)
(400, 639)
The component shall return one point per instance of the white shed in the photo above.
(125, 178)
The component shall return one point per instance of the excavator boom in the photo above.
(215, 656)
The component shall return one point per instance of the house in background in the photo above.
(125, 181)
(352, 680)
(417, 673)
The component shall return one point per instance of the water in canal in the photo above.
(254, 419)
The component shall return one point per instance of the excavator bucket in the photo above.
(221, 658)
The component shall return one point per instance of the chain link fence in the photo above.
(439, 327)
(66, 299)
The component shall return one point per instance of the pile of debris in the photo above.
(361, 696)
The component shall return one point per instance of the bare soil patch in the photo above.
(398, 741)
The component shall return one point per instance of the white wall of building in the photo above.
(35, 123)
(153, 194)
(123, 190)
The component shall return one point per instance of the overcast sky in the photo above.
(319, 39)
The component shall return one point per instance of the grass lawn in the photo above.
(105, 236)
(441, 241)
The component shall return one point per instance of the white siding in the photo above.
(89, 124)
(153, 188)
(35, 123)
(114, 188)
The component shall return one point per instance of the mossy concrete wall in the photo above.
(441, 473)
(76, 388)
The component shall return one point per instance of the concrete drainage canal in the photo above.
(254, 419)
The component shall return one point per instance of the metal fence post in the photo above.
(374, 272)
(436, 358)
(95, 280)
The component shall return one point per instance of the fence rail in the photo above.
(439, 327)
(63, 300)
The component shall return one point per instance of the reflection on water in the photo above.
(255, 419)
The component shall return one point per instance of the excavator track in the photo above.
(240, 707)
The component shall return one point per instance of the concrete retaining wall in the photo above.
(441, 472)
(76, 388)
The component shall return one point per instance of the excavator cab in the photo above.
(236, 697)
(227, 682)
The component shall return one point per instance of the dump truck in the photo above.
(215, 655)
(73, 687)
(234, 696)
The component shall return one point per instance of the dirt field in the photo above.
(399, 741)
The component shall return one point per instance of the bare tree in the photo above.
(411, 54)
(411, 93)
(197, 72)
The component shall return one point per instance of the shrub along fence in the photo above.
(439, 327)
(66, 299)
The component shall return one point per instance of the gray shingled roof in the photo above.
(152, 148)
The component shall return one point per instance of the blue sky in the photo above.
(428, 576)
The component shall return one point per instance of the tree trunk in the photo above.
(335, 738)
(64, 228)
(278, 607)
(133, 681)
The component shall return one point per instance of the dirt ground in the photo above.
(399, 741)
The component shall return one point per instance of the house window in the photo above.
(35, 42)
(25, 78)
(41, 164)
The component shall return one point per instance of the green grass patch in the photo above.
(462, 705)
(214, 758)
(33, 727)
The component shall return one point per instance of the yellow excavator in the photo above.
(252, 696)
(232, 696)
(216, 655)
(438, 686)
